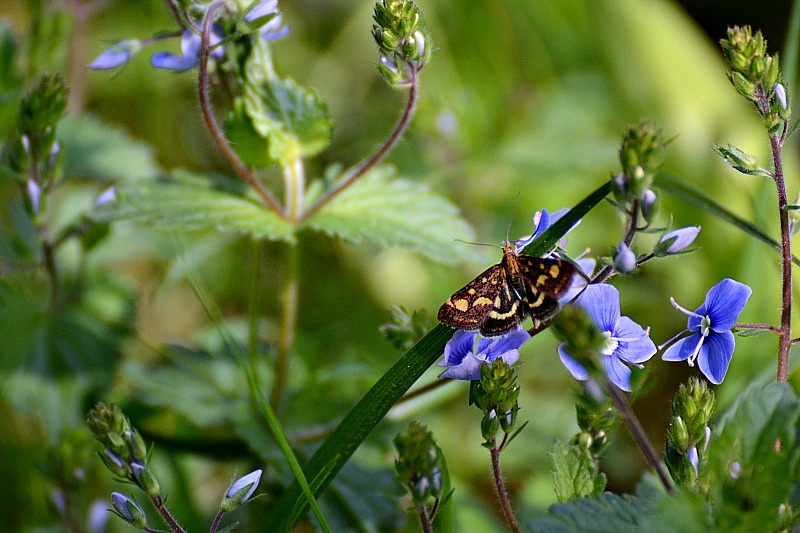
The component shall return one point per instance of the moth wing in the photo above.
(543, 280)
(508, 311)
(469, 307)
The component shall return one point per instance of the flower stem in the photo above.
(378, 155)
(630, 231)
(165, 514)
(208, 115)
(289, 302)
(638, 433)
(501, 489)
(215, 524)
(424, 519)
(785, 339)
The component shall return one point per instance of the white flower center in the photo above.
(609, 345)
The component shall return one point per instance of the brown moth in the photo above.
(500, 298)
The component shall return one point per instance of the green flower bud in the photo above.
(240, 491)
(145, 479)
(135, 444)
(128, 510)
(417, 463)
(740, 160)
(114, 463)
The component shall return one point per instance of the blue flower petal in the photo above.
(173, 62)
(724, 303)
(682, 349)
(715, 356)
(618, 372)
(264, 8)
(458, 347)
(574, 367)
(110, 59)
(494, 346)
(469, 369)
(601, 302)
(578, 283)
(636, 351)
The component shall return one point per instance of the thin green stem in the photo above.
(501, 489)
(294, 179)
(379, 154)
(638, 433)
(785, 339)
(288, 328)
(213, 128)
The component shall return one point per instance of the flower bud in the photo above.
(128, 510)
(240, 491)
(741, 161)
(624, 259)
(114, 462)
(144, 478)
(649, 206)
(34, 196)
(417, 463)
(676, 241)
(135, 444)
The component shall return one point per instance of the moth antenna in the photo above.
(513, 214)
(479, 243)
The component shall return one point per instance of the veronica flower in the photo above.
(464, 356)
(626, 341)
(240, 491)
(711, 343)
(624, 259)
(190, 49)
(542, 220)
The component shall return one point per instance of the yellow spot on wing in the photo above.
(483, 300)
(554, 270)
(462, 305)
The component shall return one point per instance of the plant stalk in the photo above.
(785, 339)
(501, 489)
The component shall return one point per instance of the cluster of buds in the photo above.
(35, 155)
(756, 74)
(124, 451)
(403, 39)
(641, 156)
(496, 394)
(689, 433)
(596, 419)
(417, 463)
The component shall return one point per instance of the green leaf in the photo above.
(251, 147)
(187, 207)
(686, 192)
(748, 434)
(575, 474)
(291, 118)
(94, 149)
(395, 212)
(370, 410)
(607, 513)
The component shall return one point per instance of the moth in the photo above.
(500, 298)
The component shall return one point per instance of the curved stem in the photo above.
(213, 128)
(637, 431)
(215, 524)
(785, 339)
(378, 155)
(288, 329)
(501, 489)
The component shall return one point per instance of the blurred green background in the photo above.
(522, 107)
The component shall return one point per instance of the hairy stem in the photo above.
(213, 128)
(378, 155)
(288, 329)
(785, 339)
(165, 514)
(501, 489)
(630, 232)
(215, 524)
(637, 431)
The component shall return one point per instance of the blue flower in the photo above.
(676, 241)
(464, 356)
(711, 343)
(543, 220)
(240, 491)
(190, 48)
(117, 55)
(626, 341)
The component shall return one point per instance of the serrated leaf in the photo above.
(291, 118)
(758, 434)
(607, 513)
(395, 212)
(103, 152)
(575, 474)
(184, 207)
